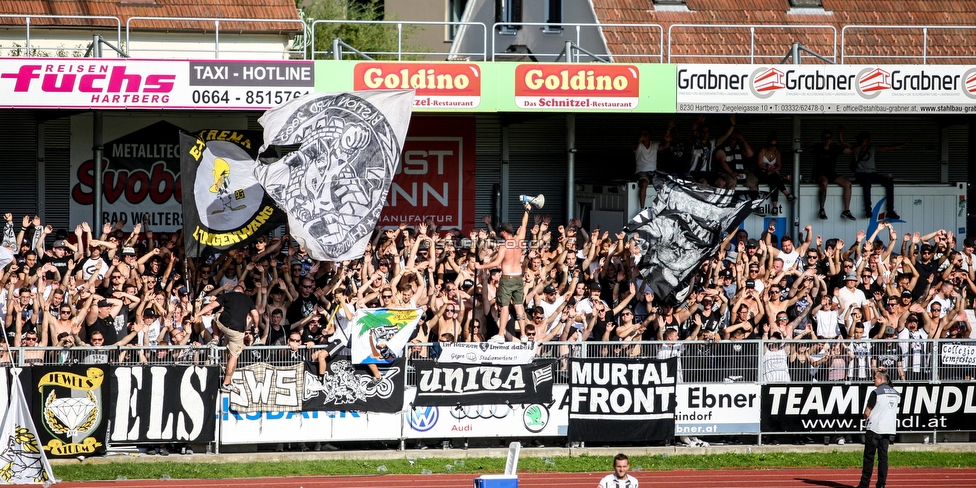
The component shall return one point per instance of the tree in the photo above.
(379, 41)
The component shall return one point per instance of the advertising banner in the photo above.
(487, 353)
(68, 406)
(87, 83)
(502, 420)
(840, 408)
(716, 408)
(263, 387)
(464, 384)
(224, 207)
(621, 399)
(826, 88)
(145, 410)
(309, 426)
(436, 175)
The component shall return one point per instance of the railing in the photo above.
(28, 50)
(216, 51)
(401, 52)
(925, 56)
(509, 28)
(752, 56)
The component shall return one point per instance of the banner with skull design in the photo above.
(333, 187)
(224, 207)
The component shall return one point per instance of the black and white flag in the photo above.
(224, 207)
(334, 186)
(464, 384)
(685, 225)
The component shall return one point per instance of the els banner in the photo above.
(147, 411)
(436, 175)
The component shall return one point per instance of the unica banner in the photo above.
(510, 87)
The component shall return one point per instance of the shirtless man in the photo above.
(510, 289)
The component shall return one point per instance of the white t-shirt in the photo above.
(828, 324)
(848, 297)
(789, 258)
(646, 157)
(611, 481)
(550, 308)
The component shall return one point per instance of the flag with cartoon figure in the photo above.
(378, 335)
(334, 186)
(22, 459)
(224, 207)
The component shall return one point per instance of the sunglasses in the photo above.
(294, 340)
(450, 310)
(387, 297)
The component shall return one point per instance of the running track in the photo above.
(833, 478)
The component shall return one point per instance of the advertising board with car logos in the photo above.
(499, 420)
(825, 88)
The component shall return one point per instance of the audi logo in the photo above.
(481, 412)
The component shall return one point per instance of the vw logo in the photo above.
(422, 419)
(481, 412)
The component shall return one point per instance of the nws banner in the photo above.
(463, 384)
(147, 411)
(840, 408)
(224, 207)
(487, 353)
(68, 408)
(263, 387)
(621, 399)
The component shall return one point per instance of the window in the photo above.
(455, 11)
(554, 15)
(806, 3)
(508, 11)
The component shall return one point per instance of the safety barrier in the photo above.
(335, 51)
(298, 26)
(726, 388)
(88, 21)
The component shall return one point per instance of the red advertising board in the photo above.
(596, 86)
(436, 175)
(438, 85)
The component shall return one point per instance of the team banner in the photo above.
(463, 384)
(379, 334)
(22, 458)
(224, 207)
(621, 399)
(145, 410)
(683, 227)
(333, 187)
(780, 88)
(957, 354)
(519, 420)
(68, 407)
(487, 353)
(840, 408)
(275, 389)
(716, 408)
(345, 387)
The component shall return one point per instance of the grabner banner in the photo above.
(717, 408)
(621, 399)
(840, 408)
(147, 411)
(826, 88)
(224, 207)
(263, 387)
(464, 384)
(487, 353)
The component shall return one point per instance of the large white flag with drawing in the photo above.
(334, 186)
(22, 460)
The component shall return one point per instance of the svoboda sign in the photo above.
(439, 85)
(825, 89)
(578, 87)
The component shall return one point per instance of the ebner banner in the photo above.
(68, 408)
(224, 207)
(464, 384)
(717, 408)
(621, 399)
(840, 408)
(826, 88)
(145, 410)
(487, 353)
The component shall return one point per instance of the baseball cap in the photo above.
(59, 243)
(424, 244)
(926, 247)
(104, 303)
(183, 290)
(752, 243)
(725, 273)
(467, 284)
(549, 289)
(910, 318)
(750, 283)
(149, 313)
(128, 251)
(595, 285)
(889, 330)
(906, 294)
